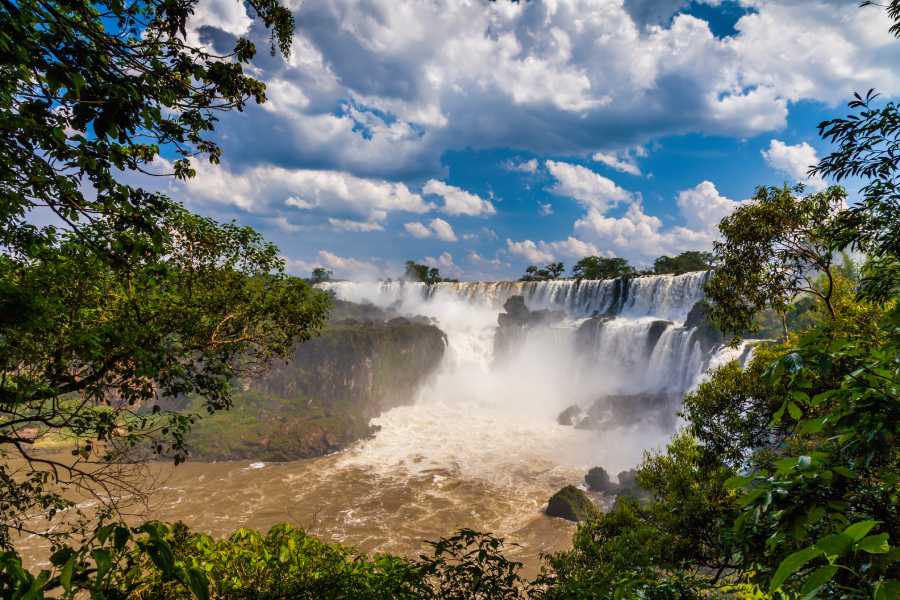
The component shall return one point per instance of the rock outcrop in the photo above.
(322, 399)
(514, 324)
(571, 504)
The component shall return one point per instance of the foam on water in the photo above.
(496, 420)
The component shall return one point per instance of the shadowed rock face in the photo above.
(323, 398)
(516, 321)
(571, 504)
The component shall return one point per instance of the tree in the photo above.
(321, 275)
(867, 147)
(686, 262)
(773, 248)
(92, 353)
(596, 267)
(92, 88)
(129, 300)
(424, 273)
(550, 271)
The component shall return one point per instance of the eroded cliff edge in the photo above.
(321, 400)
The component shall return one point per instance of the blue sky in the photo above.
(482, 137)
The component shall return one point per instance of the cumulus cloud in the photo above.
(351, 225)
(343, 267)
(344, 201)
(438, 228)
(639, 236)
(794, 161)
(528, 250)
(445, 263)
(417, 229)
(527, 166)
(587, 187)
(495, 263)
(442, 230)
(458, 201)
(545, 209)
(626, 161)
(384, 89)
(544, 252)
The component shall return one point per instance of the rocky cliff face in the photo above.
(323, 398)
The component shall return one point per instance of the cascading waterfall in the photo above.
(482, 416)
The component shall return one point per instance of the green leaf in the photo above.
(198, 583)
(887, 590)
(817, 579)
(65, 576)
(794, 411)
(834, 545)
(875, 544)
(859, 530)
(791, 564)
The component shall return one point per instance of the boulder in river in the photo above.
(571, 504)
(570, 416)
(597, 480)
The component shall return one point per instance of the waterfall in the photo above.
(621, 341)
(662, 296)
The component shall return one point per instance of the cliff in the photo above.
(323, 398)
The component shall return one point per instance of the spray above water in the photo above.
(618, 351)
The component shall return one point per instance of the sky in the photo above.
(481, 137)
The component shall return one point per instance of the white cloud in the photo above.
(639, 236)
(544, 252)
(587, 187)
(445, 263)
(438, 228)
(344, 201)
(626, 162)
(383, 89)
(458, 201)
(417, 230)
(351, 225)
(343, 267)
(545, 209)
(570, 247)
(794, 161)
(443, 230)
(495, 262)
(526, 166)
(529, 250)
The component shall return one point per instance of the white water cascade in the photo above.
(489, 418)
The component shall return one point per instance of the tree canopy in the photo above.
(128, 299)
(597, 267)
(686, 262)
(550, 271)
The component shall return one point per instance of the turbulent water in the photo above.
(481, 446)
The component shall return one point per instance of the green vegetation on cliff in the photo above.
(322, 398)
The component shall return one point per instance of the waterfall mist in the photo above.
(493, 417)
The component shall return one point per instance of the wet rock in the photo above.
(705, 332)
(597, 480)
(587, 422)
(570, 416)
(657, 328)
(515, 322)
(571, 504)
(589, 331)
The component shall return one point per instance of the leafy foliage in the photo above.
(686, 262)
(423, 273)
(549, 272)
(772, 249)
(596, 267)
(128, 297)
